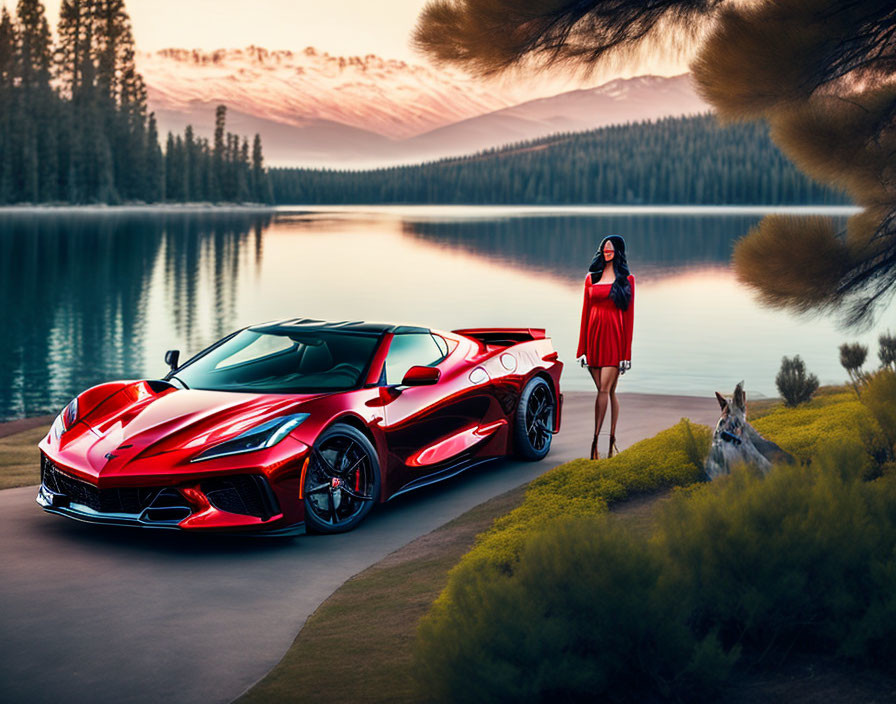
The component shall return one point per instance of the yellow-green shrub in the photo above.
(582, 487)
(835, 416)
(879, 396)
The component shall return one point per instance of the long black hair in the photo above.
(620, 291)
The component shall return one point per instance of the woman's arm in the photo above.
(583, 327)
(628, 320)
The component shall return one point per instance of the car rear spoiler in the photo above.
(503, 335)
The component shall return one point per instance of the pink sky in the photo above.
(340, 27)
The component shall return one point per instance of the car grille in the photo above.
(124, 500)
(247, 494)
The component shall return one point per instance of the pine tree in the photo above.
(217, 179)
(242, 191)
(83, 148)
(228, 183)
(121, 94)
(261, 186)
(155, 164)
(34, 102)
(194, 176)
(169, 168)
(73, 52)
(7, 79)
(205, 170)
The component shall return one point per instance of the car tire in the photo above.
(332, 490)
(534, 420)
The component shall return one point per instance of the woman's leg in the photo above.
(603, 397)
(614, 402)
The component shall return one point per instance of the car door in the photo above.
(425, 425)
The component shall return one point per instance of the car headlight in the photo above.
(65, 420)
(260, 437)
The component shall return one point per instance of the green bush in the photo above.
(583, 487)
(582, 618)
(804, 559)
(794, 385)
(879, 398)
(852, 357)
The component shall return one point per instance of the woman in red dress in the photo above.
(605, 336)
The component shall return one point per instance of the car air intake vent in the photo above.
(129, 500)
(169, 506)
(246, 494)
(77, 491)
(159, 385)
(125, 500)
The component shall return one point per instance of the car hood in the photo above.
(136, 423)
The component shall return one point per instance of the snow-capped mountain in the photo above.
(391, 98)
(320, 110)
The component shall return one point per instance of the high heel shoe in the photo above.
(613, 449)
(595, 455)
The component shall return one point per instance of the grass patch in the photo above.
(20, 458)
(834, 416)
(582, 488)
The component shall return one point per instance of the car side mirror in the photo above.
(421, 376)
(172, 357)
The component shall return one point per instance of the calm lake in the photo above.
(89, 296)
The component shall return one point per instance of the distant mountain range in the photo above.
(313, 109)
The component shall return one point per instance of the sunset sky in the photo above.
(337, 26)
(340, 27)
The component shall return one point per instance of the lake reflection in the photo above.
(89, 297)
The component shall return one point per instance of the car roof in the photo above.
(312, 324)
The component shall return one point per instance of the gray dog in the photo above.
(735, 440)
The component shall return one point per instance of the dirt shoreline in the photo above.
(11, 427)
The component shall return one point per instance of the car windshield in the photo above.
(280, 361)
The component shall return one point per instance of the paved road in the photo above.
(98, 614)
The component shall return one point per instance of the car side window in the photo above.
(442, 344)
(410, 350)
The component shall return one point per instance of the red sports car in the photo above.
(300, 424)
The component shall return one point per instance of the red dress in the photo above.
(605, 336)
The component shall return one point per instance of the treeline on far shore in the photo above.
(74, 126)
(683, 160)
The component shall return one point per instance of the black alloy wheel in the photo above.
(342, 481)
(534, 420)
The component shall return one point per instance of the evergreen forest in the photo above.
(74, 126)
(682, 160)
